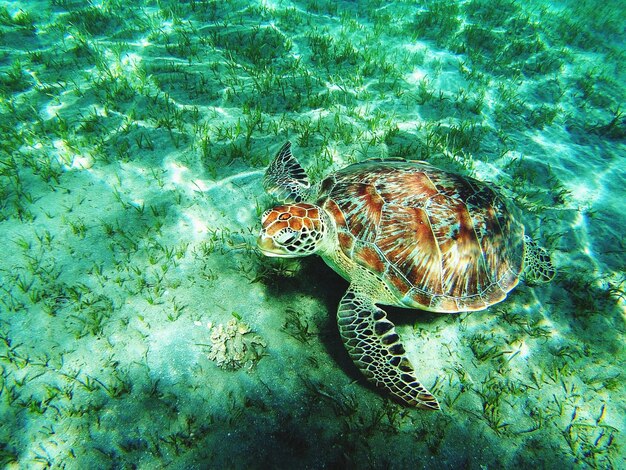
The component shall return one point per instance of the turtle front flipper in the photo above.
(375, 348)
(537, 263)
(285, 179)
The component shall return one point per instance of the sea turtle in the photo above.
(403, 233)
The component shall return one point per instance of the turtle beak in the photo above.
(267, 246)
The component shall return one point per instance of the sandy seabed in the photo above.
(134, 140)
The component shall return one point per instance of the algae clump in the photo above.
(234, 345)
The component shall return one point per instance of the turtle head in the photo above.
(292, 230)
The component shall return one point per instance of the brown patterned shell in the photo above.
(440, 242)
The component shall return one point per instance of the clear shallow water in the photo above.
(133, 146)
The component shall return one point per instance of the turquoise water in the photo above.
(140, 327)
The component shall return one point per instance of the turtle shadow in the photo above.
(328, 287)
(314, 279)
(317, 280)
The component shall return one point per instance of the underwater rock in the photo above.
(234, 345)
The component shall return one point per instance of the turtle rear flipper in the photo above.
(538, 265)
(285, 179)
(375, 348)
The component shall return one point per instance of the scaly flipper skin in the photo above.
(538, 267)
(375, 348)
(285, 179)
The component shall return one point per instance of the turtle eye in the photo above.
(286, 236)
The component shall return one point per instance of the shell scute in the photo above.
(367, 255)
(398, 281)
(407, 240)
